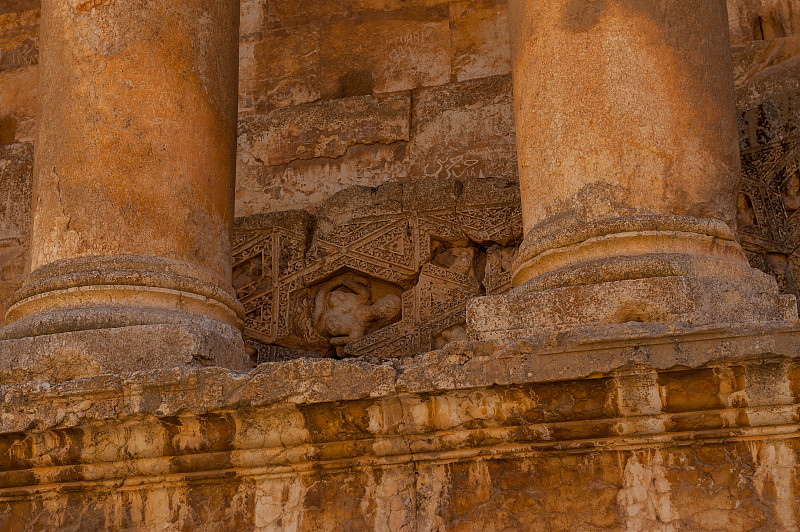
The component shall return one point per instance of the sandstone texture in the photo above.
(111, 73)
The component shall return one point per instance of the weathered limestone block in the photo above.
(381, 272)
(414, 51)
(307, 183)
(278, 67)
(768, 96)
(769, 209)
(479, 38)
(464, 130)
(343, 48)
(74, 355)
(18, 105)
(327, 129)
(133, 174)
(297, 157)
(16, 172)
(765, 70)
(756, 20)
(629, 427)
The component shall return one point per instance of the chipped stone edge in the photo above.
(588, 353)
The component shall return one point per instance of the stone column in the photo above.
(629, 168)
(134, 174)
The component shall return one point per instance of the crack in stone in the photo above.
(61, 203)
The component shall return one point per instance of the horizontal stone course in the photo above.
(705, 417)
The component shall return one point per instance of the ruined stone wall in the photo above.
(632, 426)
(362, 92)
(766, 54)
(367, 92)
(556, 433)
(19, 55)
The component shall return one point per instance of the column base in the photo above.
(651, 288)
(643, 268)
(118, 291)
(91, 315)
(79, 354)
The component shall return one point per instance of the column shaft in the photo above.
(624, 108)
(629, 168)
(134, 169)
(625, 111)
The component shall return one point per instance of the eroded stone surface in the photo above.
(768, 95)
(333, 52)
(299, 156)
(80, 354)
(762, 20)
(663, 427)
(479, 38)
(445, 140)
(384, 271)
(146, 142)
(584, 171)
(19, 57)
(629, 427)
(280, 67)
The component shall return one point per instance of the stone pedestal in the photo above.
(629, 170)
(134, 175)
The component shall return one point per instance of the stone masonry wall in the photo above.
(361, 92)
(766, 57)
(19, 54)
(365, 92)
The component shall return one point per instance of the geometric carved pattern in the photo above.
(769, 210)
(769, 201)
(280, 260)
(435, 259)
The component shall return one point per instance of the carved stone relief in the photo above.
(769, 209)
(388, 271)
(384, 271)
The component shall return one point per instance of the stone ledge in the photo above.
(169, 427)
(591, 353)
(558, 415)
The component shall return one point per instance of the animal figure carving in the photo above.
(343, 311)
